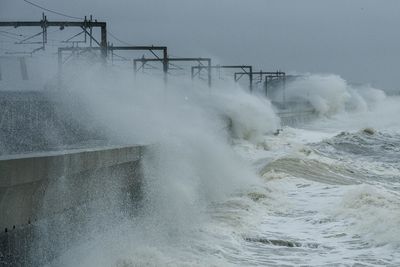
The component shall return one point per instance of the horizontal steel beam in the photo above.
(137, 47)
(52, 24)
(224, 67)
(128, 48)
(78, 48)
(174, 59)
(277, 73)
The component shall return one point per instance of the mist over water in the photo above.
(330, 94)
(189, 165)
(220, 189)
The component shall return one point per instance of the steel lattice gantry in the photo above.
(143, 61)
(44, 24)
(245, 68)
(268, 75)
(112, 48)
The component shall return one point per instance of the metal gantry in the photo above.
(268, 75)
(200, 60)
(112, 48)
(196, 70)
(85, 25)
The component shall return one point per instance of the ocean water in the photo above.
(323, 193)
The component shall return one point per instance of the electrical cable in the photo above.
(119, 40)
(51, 11)
(10, 37)
(12, 33)
(73, 17)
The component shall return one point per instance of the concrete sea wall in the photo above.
(61, 189)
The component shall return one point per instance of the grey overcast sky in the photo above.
(357, 39)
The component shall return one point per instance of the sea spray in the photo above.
(189, 163)
(200, 199)
(326, 93)
(250, 117)
(330, 94)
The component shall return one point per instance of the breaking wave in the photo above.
(375, 214)
(206, 202)
(330, 94)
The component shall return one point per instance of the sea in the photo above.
(227, 184)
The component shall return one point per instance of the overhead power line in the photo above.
(72, 17)
(119, 40)
(9, 37)
(51, 11)
(13, 34)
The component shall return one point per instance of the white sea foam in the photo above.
(202, 200)
(375, 213)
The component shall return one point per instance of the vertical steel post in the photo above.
(251, 79)
(112, 53)
(23, 68)
(103, 43)
(284, 89)
(165, 65)
(134, 67)
(91, 31)
(44, 30)
(192, 73)
(59, 76)
(209, 72)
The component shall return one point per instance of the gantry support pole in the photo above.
(59, 69)
(134, 68)
(209, 72)
(284, 90)
(103, 43)
(192, 73)
(165, 65)
(251, 79)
